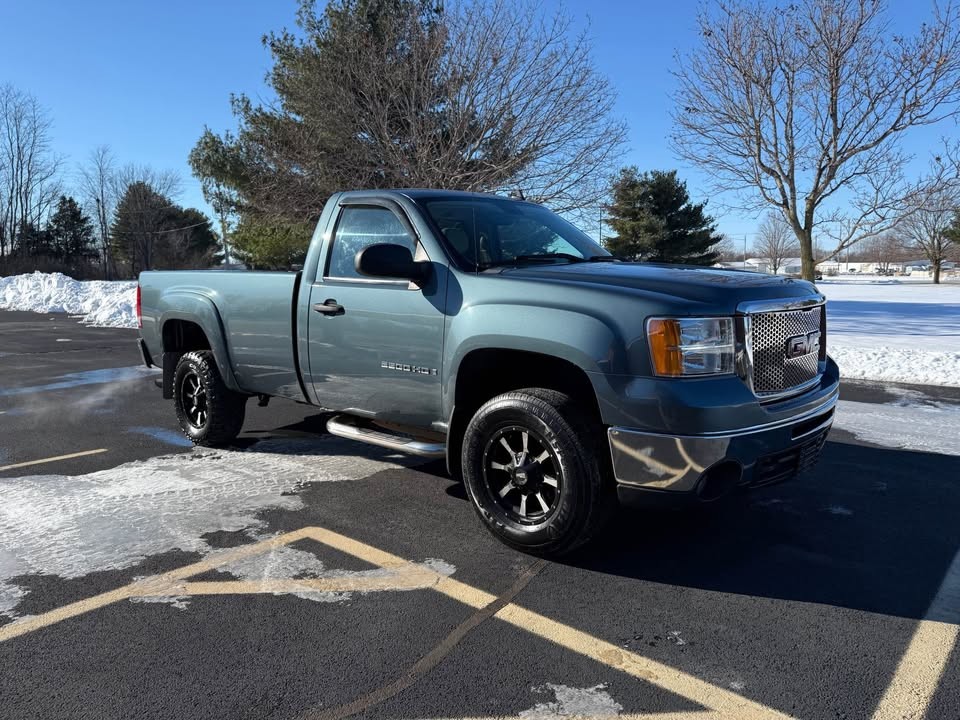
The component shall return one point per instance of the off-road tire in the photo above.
(225, 409)
(586, 494)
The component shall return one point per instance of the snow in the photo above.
(113, 519)
(99, 302)
(914, 421)
(572, 702)
(885, 329)
(894, 330)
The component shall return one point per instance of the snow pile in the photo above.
(101, 303)
(894, 331)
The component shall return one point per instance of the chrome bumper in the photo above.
(678, 464)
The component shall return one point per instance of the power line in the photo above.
(159, 232)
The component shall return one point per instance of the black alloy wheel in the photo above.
(533, 465)
(523, 474)
(209, 412)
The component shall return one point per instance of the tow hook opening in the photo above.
(719, 480)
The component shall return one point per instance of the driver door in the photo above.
(378, 353)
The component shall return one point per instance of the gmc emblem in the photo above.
(800, 345)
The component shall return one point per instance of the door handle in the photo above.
(329, 307)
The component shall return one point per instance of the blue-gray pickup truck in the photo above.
(554, 378)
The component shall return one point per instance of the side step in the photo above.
(354, 428)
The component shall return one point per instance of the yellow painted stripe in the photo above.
(413, 579)
(919, 671)
(29, 624)
(150, 587)
(679, 715)
(365, 552)
(710, 696)
(56, 458)
(672, 680)
(716, 701)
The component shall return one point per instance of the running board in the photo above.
(353, 428)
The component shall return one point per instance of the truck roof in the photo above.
(433, 194)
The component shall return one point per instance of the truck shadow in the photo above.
(869, 528)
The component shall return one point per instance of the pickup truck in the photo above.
(555, 379)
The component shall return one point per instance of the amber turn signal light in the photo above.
(664, 338)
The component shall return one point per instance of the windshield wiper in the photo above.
(541, 257)
(603, 258)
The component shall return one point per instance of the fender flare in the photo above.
(202, 311)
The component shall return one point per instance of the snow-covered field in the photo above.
(888, 329)
(894, 329)
(100, 303)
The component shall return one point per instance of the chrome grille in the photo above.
(773, 371)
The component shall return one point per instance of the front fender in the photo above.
(201, 310)
(581, 339)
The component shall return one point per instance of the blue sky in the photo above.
(145, 78)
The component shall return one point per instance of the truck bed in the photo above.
(255, 311)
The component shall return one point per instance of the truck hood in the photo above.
(683, 282)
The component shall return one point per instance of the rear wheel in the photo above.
(208, 411)
(531, 467)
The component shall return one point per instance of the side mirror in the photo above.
(388, 260)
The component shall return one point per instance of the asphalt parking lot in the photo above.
(302, 576)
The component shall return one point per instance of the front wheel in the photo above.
(531, 467)
(209, 412)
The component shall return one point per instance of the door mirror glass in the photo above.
(387, 260)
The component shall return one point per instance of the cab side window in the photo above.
(360, 227)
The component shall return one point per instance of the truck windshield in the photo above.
(486, 233)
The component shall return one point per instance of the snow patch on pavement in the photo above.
(180, 602)
(70, 526)
(930, 427)
(592, 702)
(99, 303)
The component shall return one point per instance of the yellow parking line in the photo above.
(716, 701)
(710, 696)
(57, 458)
(411, 578)
(919, 671)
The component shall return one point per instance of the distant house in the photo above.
(788, 266)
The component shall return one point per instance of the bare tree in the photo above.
(29, 171)
(98, 185)
(885, 249)
(930, 213)
(775, 240)
(801, 106)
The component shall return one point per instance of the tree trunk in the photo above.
(808, 265)
(936, 272)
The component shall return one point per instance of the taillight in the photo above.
(139, 312)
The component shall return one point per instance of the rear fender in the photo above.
(200, 310)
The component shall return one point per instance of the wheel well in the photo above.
(484, 374)
(180, 336)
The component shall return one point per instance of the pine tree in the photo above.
(70, 232)
(151, 232)
(655, 221)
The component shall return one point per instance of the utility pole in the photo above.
(744, 251)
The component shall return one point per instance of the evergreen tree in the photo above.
(655, 221)
(31, 241)
(271, 245)
(70, 232)
(150, 232)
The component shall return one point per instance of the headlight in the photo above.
(691, 346)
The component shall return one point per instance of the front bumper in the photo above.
(647, 465)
